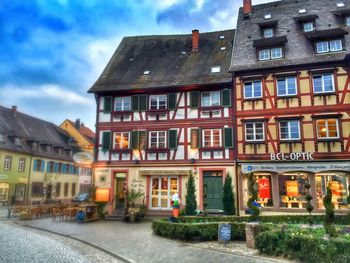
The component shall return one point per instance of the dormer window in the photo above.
(267, 16)
(268, 32)
(2, 137)
(35, 146)
(308, 26)
(17, 141)
(347, 20)
(146, 72)
(329, 46)
(270, 53)
(340, 4)
(48, 148)
(215, 69)
(302, 11)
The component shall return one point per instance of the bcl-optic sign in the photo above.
(305, 156)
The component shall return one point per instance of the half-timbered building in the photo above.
(291, 72)
(164, 109)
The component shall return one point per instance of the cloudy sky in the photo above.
(52, 51)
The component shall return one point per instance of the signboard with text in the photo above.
(292, 188)
(264, 188)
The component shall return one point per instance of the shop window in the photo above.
(264, 187)
(323, 83)
(210, 98)
(290, 130)
(254, 131)
(162, 189)
(158, 102)
(338, 182)
(292, 190)
(287, 86)
(7, 162)
(123, 103)
(327, 128)
(211, 138)
(4, 193)
(252, 89)
(157, 139)
(37, 189)
(121, 140)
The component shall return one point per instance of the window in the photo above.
(308, 26)
(37, 189)
(267, 16)
(2, 137)
(59, 169)
(329, 46)
(347, 20)
(302, 11)
(66, 186)
(158, 102)
(290, 130)
(292, 190)
(51, 167)
(21, 164)
(73, 189)
(157, 139)
(252, 89)
(273, 53)
(286, 86)
(7, 162)
(254, 131)
(323, 83)
(17, 141)
(121, 140)
(123, 103)
(211, 138)
(264, 188)
(162, 189)
(215, 69)
(58, 189)
(327, 128)
(268, 32)
(210, 98)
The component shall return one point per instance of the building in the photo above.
(164, 109)
(291, 71)
(36, 160)
(85, 139)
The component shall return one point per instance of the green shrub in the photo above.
(191, 201)
(228, 200)
(329, 218)
(253, 196)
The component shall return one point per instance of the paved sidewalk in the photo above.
(137, 243)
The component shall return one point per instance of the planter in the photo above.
(25, 216)
(132, 218)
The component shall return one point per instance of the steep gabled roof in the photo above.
(169, 60)
(299, 47)
(88, 134)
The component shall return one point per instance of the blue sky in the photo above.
(52, 51)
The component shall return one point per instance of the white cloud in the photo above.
(222, 19)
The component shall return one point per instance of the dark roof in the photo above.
(269, 41)
(299, 49)
(169, 60)
(30, 129)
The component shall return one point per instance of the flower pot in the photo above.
(176, 212)
(132, 218)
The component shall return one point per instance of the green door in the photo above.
(213, 189)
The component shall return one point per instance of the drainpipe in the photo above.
(30, 172)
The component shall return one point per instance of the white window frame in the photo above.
(329, 47)
(17, 141)
(347, 21)
(169, 195)
(335, 41)
(253, 89)
(212, 137)
(286, 87)
(158, 100)
(273, 54)
(7, 163)
(268, 32)
(307, 27)
(327, 130)
(21, 164)
(122, 140)
(254, 131)
(323, 85)
(123, 104)
(289, 138)
(157, 138)
(211, 94)
(2, 137)
(263, 53)
(324, 44)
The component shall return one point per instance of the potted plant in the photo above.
(133, 195)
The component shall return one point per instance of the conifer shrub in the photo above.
(253, 196)
(329, 218)
(228, 200)
(191, 202)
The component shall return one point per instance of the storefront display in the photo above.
(163, 187)
(263, 184)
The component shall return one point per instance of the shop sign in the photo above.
(264, 188)
(3, 176)
(292, 188)
(305, 156)
(224, 232)
(314, 167)
(83, 158)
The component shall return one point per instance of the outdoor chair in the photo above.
(56, 212)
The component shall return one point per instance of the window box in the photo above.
(157, 112)
(211, 149)
(157, 150)
(121, 150)
(121, 113)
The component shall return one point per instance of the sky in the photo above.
(52, 51)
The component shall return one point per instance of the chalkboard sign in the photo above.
(224, 232)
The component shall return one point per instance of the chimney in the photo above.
(195, 40)
(77, 124)
(247, 7)
(14, 109)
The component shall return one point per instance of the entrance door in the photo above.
(48, 191)
(162, 188)
(119, 193)
(213, 188)
(20, 190)
(4, 193)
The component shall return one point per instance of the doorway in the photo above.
(212, 186)
(119, 193)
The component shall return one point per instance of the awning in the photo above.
(164, 171)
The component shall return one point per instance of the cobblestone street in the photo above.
(27, 245)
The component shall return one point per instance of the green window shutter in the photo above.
(228, 137)
(226, 98)
(107, 104)
(142, 140)
(42, 165)
(34, 165)
(135, 104)
(172, 101)
(195, 138)
(106, 141)
(143, 102)
(194, 99)
(134, 140)
(48, 166)
(172, 139)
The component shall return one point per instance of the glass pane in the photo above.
(118, 104)
(207, 138)
(118, 139)
(292, 190)
(328, 82)
(281, 87)
(205, 99)
(294, 129)
(268, 32)
(248, 92)
(276, 52)
(284, 130)
(291, 86)
(173, 186)
(317, 84)
(335, 45)
(215, 98)
(322, 47)
(125, 144)
(155, 191)
(164, 192)
(321, 128)
(162, 102)
(264, 54)
(127, 103)
(257, 89)
(216, 138)
(332, 128)
(153, 100)
(308, 27)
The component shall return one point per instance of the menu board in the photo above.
(292, 188)
(264, 188)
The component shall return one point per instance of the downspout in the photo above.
(30, 172)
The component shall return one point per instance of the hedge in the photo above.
(306, 248)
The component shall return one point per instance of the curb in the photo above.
(122, 258)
